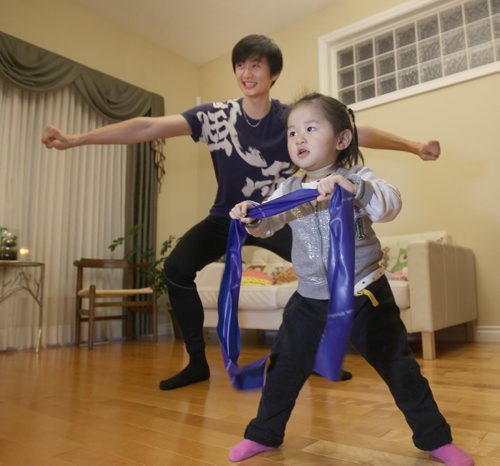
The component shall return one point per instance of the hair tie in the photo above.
(351, 114)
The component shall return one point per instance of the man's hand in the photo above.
(53, 138)
(429, 150)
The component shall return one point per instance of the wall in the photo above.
(458, 193)
(67, 28)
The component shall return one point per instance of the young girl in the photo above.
(322, 141)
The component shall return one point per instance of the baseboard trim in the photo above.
(482, 334)
(488, 334)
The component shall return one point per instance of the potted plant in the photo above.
(8, 249)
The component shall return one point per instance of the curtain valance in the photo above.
(33, 68)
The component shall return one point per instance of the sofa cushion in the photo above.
(210, 275)
(401, 291)
(258, 297)
(263, 256)
(284, 292)
(209, 296)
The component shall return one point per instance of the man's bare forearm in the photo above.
(374, 138)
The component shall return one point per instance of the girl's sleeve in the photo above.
(380, 199)
(265, 227)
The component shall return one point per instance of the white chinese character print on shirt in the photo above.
(220, 134)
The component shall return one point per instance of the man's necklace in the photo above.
(253, 125)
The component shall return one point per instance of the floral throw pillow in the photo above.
(267, 275)
(254, 275)
(395, 265)
(284, 275)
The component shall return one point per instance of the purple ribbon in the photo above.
(337, 331)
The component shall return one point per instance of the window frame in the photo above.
(377, 25)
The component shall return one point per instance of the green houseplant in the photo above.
(153, 275)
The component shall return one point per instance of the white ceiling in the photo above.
(201, 30)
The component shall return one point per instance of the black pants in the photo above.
(202, 244)
(379, 335)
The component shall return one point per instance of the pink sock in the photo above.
(245, 449)
(451, 455)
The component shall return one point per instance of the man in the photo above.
(246, 138)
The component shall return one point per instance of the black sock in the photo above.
(196, 371)
(345, 375)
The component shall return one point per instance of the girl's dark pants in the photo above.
(379, 335)
(202, 244)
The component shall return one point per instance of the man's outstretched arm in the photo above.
(374, 138)
(140, 129)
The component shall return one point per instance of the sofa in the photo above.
(260, 304)
(433, 281)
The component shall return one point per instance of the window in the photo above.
(418, 46)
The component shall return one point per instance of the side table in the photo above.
(16, 276)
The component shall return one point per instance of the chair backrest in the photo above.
(111, 283)
(129, 269)
(102, 263)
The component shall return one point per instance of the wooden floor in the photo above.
(69, 406)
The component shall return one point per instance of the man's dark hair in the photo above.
(258, 46)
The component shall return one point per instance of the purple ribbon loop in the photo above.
(332, 347)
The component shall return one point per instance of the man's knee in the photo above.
(178, 273)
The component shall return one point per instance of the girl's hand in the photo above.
(239, 212)
(327, 185)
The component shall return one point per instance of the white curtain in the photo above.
(62, 204)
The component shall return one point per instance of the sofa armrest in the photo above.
(442, 282)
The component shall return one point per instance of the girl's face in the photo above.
(254, 76)
(312, 141)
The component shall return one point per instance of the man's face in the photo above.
(254, 76)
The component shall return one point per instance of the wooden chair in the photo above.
(126, 298)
